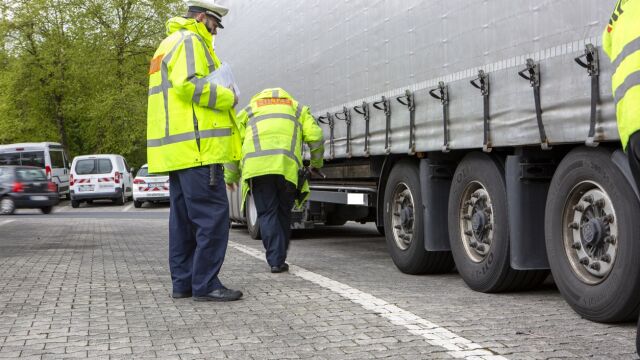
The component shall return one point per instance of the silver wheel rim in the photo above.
(402, 216)
(476, 221)
(590, 232)
(6, 206)
(253, 212)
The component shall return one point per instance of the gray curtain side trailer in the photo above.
(475, 134)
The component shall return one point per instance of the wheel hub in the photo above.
(402, 216)
(406, 217)
(476, 221)
(591, 232)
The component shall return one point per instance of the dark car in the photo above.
(26, 187)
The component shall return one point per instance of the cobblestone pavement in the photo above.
(74, 285)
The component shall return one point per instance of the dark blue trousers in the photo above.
(198, 230)
(274, 197)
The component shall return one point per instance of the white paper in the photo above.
(224, 76)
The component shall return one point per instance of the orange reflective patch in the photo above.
(272, 101)
(155, 64)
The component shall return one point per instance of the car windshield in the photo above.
(93, 166)
(26, 174)
(144, 172)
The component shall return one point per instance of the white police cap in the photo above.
(214, 8)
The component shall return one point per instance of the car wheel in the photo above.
(7, 206)
(76, 204)
(137, 204)
(89, 201)
(46, 209)
(122, 199)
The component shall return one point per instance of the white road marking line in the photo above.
(6, 222)
(457, 346)
(127, 208)
(61, 209)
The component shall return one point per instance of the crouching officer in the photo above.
(190, 127)
(621, 42)
(273, 128)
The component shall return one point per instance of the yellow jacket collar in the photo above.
(180, 23)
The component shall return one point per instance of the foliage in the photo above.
(75, 72)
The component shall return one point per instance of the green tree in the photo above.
(76, 72)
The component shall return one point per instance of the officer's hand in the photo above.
(232, 186)
(235, 98)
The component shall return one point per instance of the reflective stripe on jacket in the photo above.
(190, 119)
(273, 127)
(621, 42)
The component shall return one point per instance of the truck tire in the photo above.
(592, 232)
(253, 226)
(75, 204)
(403, 224)
(479, 229)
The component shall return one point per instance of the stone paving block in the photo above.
(95, 295)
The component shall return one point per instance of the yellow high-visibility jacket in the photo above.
(273, 127)
(621, 42)
(190, 119)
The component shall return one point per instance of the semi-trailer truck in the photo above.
(479, 135)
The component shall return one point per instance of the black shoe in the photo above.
(181, 295)
(280, 268)
(222, 294)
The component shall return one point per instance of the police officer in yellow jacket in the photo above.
(190, 129)
(621, 42)
(274, 127)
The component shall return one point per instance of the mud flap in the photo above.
(527, 188)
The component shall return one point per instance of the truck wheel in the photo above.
(75, 204)
(479, 231)
(7, 206)
(137, 204)
(252, 218)
(592, 232)
(403, 224)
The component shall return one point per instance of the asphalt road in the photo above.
(93, 282)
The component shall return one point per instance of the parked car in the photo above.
(26, 187)
(98, 177)
(149, 187)
(48, 156)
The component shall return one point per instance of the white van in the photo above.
(96, 177)
(48, 156)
